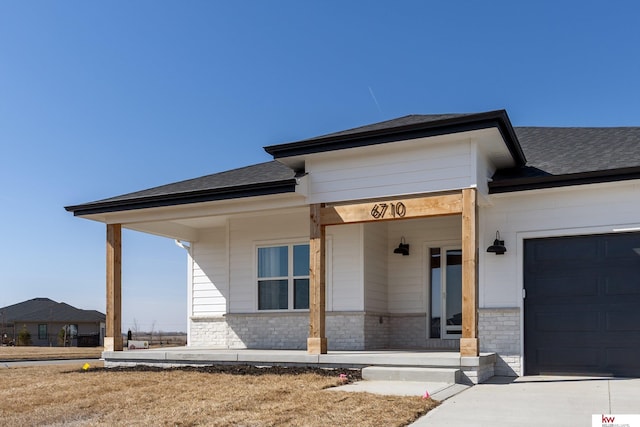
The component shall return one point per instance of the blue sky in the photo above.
(99, 99)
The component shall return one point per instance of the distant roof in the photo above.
(47, 310)
(257, 180)
(558, 156)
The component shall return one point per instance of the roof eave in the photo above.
(497, 118)
(252, 190)
(553, 181)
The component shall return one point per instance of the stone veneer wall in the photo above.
(410, 331)
(345, 331)
(499, 332)
(377, 328)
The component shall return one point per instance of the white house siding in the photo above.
(375, 266)
(210, 285)
(375, 285)
(409, 167)
(345, 268)
(586, 209)
(209, 288)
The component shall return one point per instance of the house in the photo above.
(453, 231)
(44, 318)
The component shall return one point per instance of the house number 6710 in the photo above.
(393, 210)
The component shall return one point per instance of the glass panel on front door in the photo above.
(446, 292)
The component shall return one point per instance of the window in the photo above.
(446, 292)
(73, 331)
(42, 332)
(283, 277)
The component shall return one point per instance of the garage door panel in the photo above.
(623, 320)
(550, 286)
(560, 357)
(619, 359)
(582, 305)
(625, 283)
(566, 322)
(568, 250)
(622, 246)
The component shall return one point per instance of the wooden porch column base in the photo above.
(113, 344)
(316, 345)
(469, 347)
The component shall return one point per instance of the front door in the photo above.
(445, 267)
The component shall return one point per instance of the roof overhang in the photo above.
(553, 181)
(293, 154)
(185, 198)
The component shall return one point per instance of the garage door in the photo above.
(582, 305)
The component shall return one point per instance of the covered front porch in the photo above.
(383, 296)
(465, 369)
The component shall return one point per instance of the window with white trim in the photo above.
(283, 277)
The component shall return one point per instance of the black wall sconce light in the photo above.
(403, 248)
(498, 247)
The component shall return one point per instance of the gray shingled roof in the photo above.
(560, 151)
(264, 178)
(551, 153)
(572, 156)
(47, 310)
(412, 119)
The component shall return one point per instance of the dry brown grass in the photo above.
(57, 395)
(39, 353)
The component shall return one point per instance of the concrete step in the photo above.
(403, 373)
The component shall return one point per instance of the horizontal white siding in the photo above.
(375, 267)
(210, 285)
(408, 274)
(345, 268)
(586, 209)
(411, 167)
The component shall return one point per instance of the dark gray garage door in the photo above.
(582, 305)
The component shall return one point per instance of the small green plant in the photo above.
(24, 337)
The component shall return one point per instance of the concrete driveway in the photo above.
(537, 401)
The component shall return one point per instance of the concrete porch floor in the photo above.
(474, 369)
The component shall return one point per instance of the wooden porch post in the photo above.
(469, 343)
(317, 341)
(113, 338)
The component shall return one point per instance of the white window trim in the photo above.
(290, 243)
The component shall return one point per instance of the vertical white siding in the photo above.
(244, 235)
(210, 285)
(409, 167)
(408, 274)
(375, 267)
(346, 281)
(587, 209)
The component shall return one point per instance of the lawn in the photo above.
(57, 395)
(37, 353)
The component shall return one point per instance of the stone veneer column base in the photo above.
(499, 332)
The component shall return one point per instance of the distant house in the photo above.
(45, 318)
